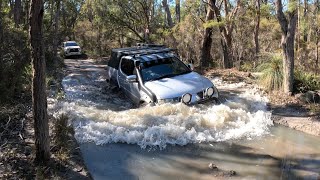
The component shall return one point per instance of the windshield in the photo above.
(163, 68)
(71, 44)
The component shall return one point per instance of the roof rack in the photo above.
(148, 51)
(150, 45)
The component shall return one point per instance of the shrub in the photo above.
(272, 74)
(62, 131)
(305, 81)
(247, 67)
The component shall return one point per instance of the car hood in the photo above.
(72, 47)
(178, 85)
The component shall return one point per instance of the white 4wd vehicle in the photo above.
(71, 48)
(154, 74)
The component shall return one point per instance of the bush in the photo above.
(272, 74)
(62, 131)
(247, 67)
(305, 81)
(14, 61)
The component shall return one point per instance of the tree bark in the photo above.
(56, 29)
(288, 27)
(168, 13)
(1, 37)
(205, 55)
(26, 12)
(305, 18)
(226, 32)
(39, 97)
(317, 10)
(178, 11)
(17, 12)
(317, 53)
(257, 28)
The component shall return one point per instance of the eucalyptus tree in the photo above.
(207, 39)
(39, 98)
(288, 28)
(226, 26)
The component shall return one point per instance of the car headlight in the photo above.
(186, 98)
(209, 91)
(171, 100)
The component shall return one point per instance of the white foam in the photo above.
(244, 116)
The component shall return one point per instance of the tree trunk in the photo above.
(39, 97)
(226, 43)
(177, 11)
(317, 53)
(17, 12)
(317, 10)
(226, 32)
(256, 29)
(1, 38)
(167, 10)
(26, 12)
(305, 18)
(56, 29)
(205, 56)
(288, 27)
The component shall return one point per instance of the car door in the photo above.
(131, 89)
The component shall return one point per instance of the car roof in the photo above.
(154, 57)
(144, 53)
(141, 52)
(70, 42)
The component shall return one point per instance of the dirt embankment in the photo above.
(286, 110)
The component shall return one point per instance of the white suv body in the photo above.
(71, 48)
(154, 74)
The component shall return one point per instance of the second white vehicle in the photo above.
(71, 48)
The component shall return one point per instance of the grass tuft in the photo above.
(272, 74)
(306, 81)
(62, 131)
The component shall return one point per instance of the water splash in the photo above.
(101, 117)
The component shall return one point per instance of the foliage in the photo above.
(14, 59)
(213, 23)
(292, 6)
(247, 67)
(306, 81)
(272, 75)
(62, 131)
(99, 26)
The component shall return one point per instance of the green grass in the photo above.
(272, 74)
(306, 81)
(62, 131)
(247, 67)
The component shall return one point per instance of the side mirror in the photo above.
(190, 66)
(131, 78)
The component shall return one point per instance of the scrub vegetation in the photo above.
(278, 39)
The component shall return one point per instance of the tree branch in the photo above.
(281, 17)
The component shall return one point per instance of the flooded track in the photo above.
(174, 141)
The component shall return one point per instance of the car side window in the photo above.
(127, 67)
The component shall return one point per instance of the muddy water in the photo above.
(174, 141)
